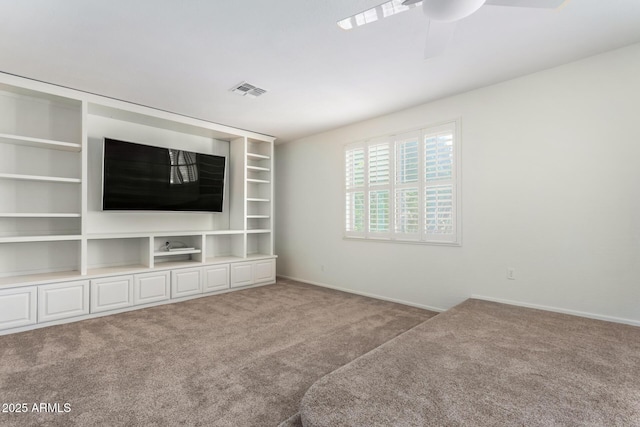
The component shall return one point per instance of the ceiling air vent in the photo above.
(247, 89)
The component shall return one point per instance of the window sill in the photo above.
(404, 242)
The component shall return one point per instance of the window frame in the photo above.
(422, 184)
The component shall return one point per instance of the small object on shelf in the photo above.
(174, 246)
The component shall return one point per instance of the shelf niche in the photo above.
(38, 115)
(39, 258)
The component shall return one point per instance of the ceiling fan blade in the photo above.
(439, 35)
(538, 4)
(384, 10)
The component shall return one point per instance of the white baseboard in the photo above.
(560, 310)
(365, 294)
(481, 297)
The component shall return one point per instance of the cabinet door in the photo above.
(241, 274)
(111, 293)
(185, 282)
(18, 307)
(216, 278)
(63, 300)
(151, 287)
(264, 271)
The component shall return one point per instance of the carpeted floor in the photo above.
(488, 364)
(243, 358)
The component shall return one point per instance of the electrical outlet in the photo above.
(511, 273)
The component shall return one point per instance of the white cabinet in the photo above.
(253, 272)
(151, 287)
(18, 307)
(241, 274)
(111, 293)
(63, 300)
(264, 271)
(185, 282)
(216, 278)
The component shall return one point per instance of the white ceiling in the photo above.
(184, 56)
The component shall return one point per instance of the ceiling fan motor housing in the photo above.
(450, 10)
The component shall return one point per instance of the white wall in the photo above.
(551, 187)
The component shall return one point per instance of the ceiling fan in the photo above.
(442, 16)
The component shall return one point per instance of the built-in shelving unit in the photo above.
(52, 227)
(259, 212)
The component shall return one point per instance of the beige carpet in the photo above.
(239, 359)
(488, 364)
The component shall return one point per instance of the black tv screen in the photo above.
(146, 178)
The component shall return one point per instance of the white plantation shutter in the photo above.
(407, 212)
(438, 156)
(379, 189)
(407, 160)
(439, 210)
(439, 176)
(355, 208)
(355, 167)
(379, 211)
(404, 187)
(355, 214)
(407, 193)
(379, 164)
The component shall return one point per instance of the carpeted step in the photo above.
(484, 363)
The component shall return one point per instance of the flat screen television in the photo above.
(139, 177)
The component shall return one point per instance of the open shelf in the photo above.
(36, 229)
(223, 232)
(258, 181)
(258, 168)
(39, 142)
(255, 256)
(40, 278)
(117, 270)
(258, 224)
(38, 215)
(41, 258)
(176, 253)
(40, 238)
(259, 244)
(162, 256)
(118, 253)
(225, 246)
(21, 177)
(255, 199)
(258, 156)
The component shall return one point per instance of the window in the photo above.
(404, 187)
